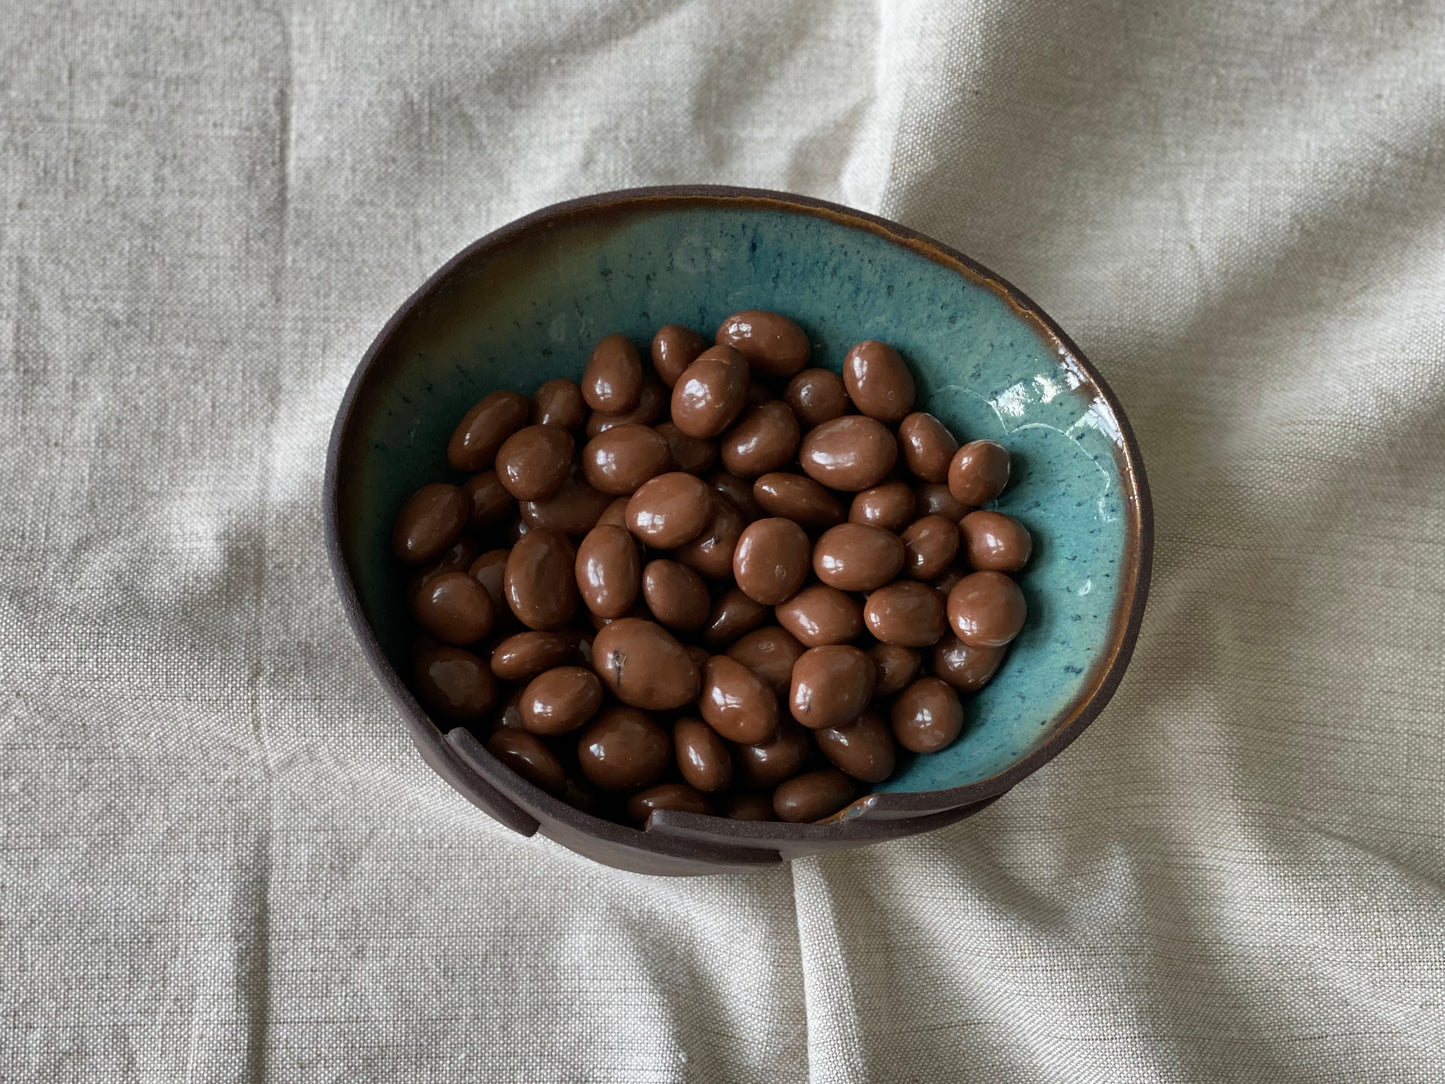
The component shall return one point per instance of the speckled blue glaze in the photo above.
(532, 311)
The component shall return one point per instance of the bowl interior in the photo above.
(527, 306)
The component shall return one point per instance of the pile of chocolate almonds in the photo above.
(723, 583)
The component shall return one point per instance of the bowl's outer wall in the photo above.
(530, 311)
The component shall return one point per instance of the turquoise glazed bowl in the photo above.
(526, 303)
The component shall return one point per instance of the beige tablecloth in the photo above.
(221, 860)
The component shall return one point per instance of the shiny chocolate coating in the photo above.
(651, 405)
(454, 608)
(525, 654)
(771, 560)
(674, 348)
(737, 703)
(986, 609)
(862, 748)
(559, 402)
(490, 571)
(747, 805)
(560, 700)
(978, 472)
(813, 795)
(454, 685)
(574, 509)
(769, 763)
(698, 654)
(702, 755)
(896, 665)
(816, 396)
(929, 546)
(674, 796)
(937, 500)
(482, 430)
(710, 393)
(927, 447)
(644, 666)
(774, 345)
(539, 581)
(966, 668)
(849, 453)
(799, 498)
(693, 455)
(623, 749)
(457, 557)
(431, 520)
(889, 506)
(995, 542)
(608, 570)
(676, 595)
(529, 757)
(533, 462)
(819, 615)
(488, 499)
(770, 653)
(510, 716)
(927, 716)
(831, 685)
(669, 510)
(614, 515)
(736, 490)
(710, 554)
(857, 557)
(878, 381)
(621, 459)
(612, 378)
(907, 613)
(733, 615)
(764, 439)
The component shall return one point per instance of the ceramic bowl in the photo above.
(525, 304)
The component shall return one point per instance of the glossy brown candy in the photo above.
(614, 515)
(736, 702)
(896, 665)
(457, 557)
(736, 490)
(966, 668)
(889, 506)
(529, 757)
(799, 498)
(623, 749)
(574, 509)
(978, 472)
(533, 462)
(621, 459)
(710, 554)
(819, 614)
(560, 700)
(862, 748)
(540, 585)
(651, 405)
(669, 510)
(698, 654)
(770, 653)
(747, 805)
(609, 573)
(454, 608)
(764, 439)
(559, 402)
(927, 446)
(927, 716)
(510, 717)
(482, 430)
(454, 685)
(674, 348)
(488, 499)
(526, 654)
(769, 763)
(612, 377)
(771, 560)
(813, 795)
(907, 613)
(950, 576)
(690, 454)
(774, 345)
(733, 615)
(934, 499)
(878, 381)
(644, 666)
(831, 686)
(849, 453)
(676, 595)
(710, 393)
(986, 609)
(431, 520)
(490, 570)
(995, 542)
(675, 796)
(816, 396)
(857, 557)
(929, 546)
(702, 755)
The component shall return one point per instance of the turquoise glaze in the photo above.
(531, 311)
